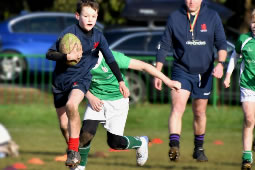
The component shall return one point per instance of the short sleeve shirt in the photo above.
(248, 53)
(104, 84)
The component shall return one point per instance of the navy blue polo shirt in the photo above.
(65, 76)
(193, 55)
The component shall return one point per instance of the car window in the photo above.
(38, 25)
(21, 26)
(144, 44)
(134, 44)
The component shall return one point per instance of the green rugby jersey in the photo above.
(247, 69)
(104, 84)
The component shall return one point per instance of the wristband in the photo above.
(222, 62)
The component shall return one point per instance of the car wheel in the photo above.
(136, 87)
(11, 66)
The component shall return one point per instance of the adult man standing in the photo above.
(192, 32)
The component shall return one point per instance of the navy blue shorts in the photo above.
(61, 97)
(199, 85)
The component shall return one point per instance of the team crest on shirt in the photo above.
(249, 49)
(95, 46)
(104, 69)
(75, 84)
(203, 28)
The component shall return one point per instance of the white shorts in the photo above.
(113, 115)
(247, 95)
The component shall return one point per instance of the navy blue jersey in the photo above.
(64, 76)
(193, 54)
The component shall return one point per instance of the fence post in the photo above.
(215, 92)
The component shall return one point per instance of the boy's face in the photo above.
(252, 24)
(87, 18)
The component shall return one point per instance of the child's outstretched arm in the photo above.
(143, 66)
(231, 65)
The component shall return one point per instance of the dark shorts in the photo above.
(61, 97)
(199, 85)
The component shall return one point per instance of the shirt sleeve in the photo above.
(219, 34)
(122, 60)
(108, 56)
(232, 62)
(165, 44)
(104, 48)
(56, 56)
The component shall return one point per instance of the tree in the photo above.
(64, 6)
(9, 8)
(110, 11)
(241, 19)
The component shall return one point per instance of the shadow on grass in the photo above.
(169, 167)
(133, 165)
(230, 164)
(41, 153)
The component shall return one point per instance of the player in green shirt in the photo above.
(245, 49)
(107, 106)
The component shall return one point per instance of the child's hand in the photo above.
(174, 85)
(158, 84)
(75, 54)
(123, 89)
(227, 80)
(95, 102)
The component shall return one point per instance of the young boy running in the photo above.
(245, 47)
(108, 107)
(71, 83)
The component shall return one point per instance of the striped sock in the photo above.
(199, 140)
(174, 140)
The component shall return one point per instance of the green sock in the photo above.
(84, 152)
(247, 155)
(133, 142)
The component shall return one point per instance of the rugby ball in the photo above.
(67, 44)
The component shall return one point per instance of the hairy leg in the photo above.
(179, 101)
(199, 111)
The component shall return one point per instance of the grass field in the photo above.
(35, 128)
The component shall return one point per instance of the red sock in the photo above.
(73, 144)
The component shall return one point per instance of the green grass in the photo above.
(35, 128)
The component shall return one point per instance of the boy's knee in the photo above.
(85, 138)
(71, 108)
(249, 122)
(88, 131)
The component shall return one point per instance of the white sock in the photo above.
(79, 167)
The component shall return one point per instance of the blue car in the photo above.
(25, 39)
